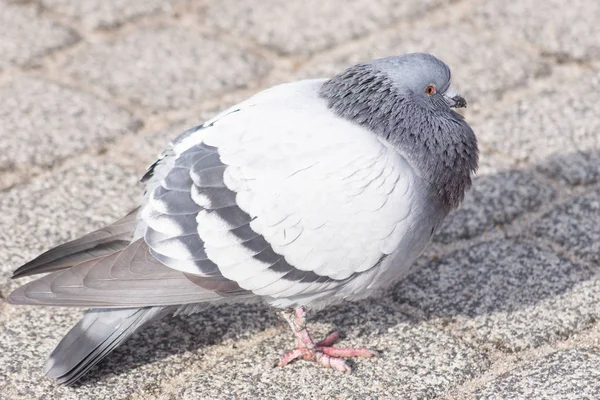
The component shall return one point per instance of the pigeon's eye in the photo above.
(430, 89)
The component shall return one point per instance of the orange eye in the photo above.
(430, 89)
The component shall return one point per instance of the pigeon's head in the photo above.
(412, 79)
(419, 77)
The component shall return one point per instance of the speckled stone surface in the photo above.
(567, 374)
(506, 294)
(575, 225)
(38, 115)
(20, 45)
(300, 27)
(166, 67)
(494, 201)
(552, 126)
(565, 32)
(107, 14)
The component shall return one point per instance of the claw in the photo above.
(329, 340)
(289, 357)
(332, 362)
(346, 352)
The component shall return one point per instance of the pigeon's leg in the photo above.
(321, 352)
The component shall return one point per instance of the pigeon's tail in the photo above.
(99, 243)
(98, 333)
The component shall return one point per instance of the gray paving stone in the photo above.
(511, 295)
(138, 369)
(166, 68)
(493, 201)
(44, 123)
(567, 374)
(148, 145)
(418, 362)
(577, 168)
(574, 225)
(472, 55)
(47, 211)
(306, 27)
(54, 208)
(21, 45)
(563, 31)
(556, 127)
(107, 14)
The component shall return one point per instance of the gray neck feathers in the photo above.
(434, 139)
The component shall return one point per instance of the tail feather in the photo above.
(98, 333)
(99, 243)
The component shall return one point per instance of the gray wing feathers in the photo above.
(98, 333)
(172, 202)
(157, 170)
(195, 183)
(129, 278)
(213, 198)
(99, 243)
(178, 179)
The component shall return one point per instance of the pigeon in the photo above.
(303, 196)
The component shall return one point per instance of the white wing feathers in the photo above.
(324, 193)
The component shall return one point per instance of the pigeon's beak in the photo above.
(454, 99)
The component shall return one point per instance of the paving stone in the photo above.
(493, 201)
(166, 68)
(21, 45)
(577, 168)
(567, 374)
(418, 362)
(107, 14)
(511, 295)
(147, 146)
(556, 127)
(574, 225)
(470, 53)
(569, 32)
(47, 211)
(306, 27)
(139, 368)
(55, 208)
(44, 123)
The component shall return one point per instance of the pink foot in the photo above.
(321, 352)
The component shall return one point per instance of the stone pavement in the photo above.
(505, 303)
